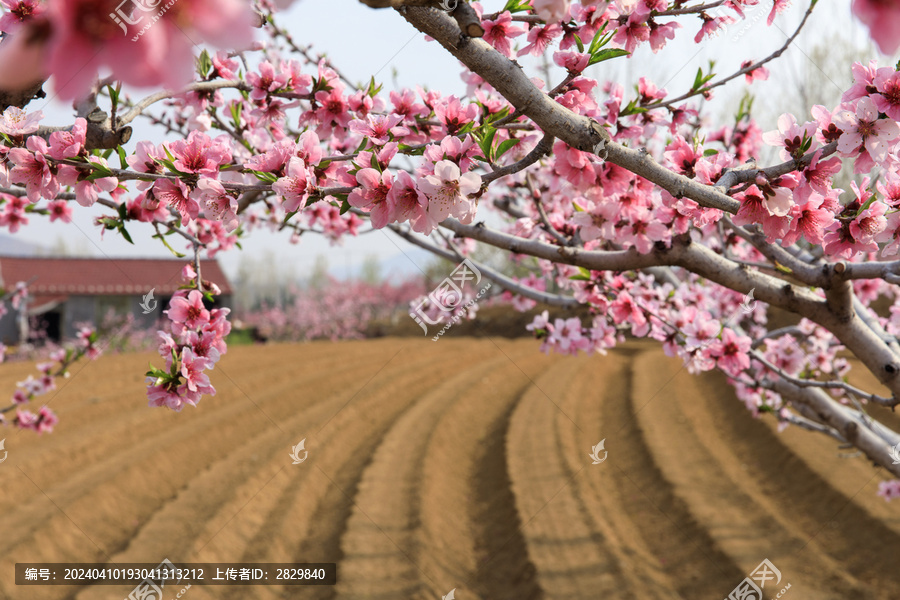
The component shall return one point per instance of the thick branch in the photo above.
(875, 442)
(577, 131)
(500, 279)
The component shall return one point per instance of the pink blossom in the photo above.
(808, 220)
(632, 33)
(164, 394)
(731, 352)
(540, 321)
(33, 170)
(551, 10)
(791, 137)
(573, 62)
(660, 32)
(451, 113)
(778, 7)
(839, 242)
(188, 310)
(889, 489)
(379, 128)
(68, 144)
(86, 191)
(19, 12)
(499, 32)
(757, 74)
(192, 368)
(887, 100)
(863, 129)
(869, 223)
(448, 193)
(540, 38)
(409, 204)
(200, 154)
(16, 122)
(294, 188)
(144, 160)
(756, 207)
(642, 231)
(373, 196)
(883, 19)
(220, 205)
(176, 194)
(567, 336)
(85, 38)
(266, 81)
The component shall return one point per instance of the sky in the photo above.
(365, 42)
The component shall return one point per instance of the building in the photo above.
(67, 291)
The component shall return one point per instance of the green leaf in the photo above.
(607, 54)
(345, 206)
(204, 64)
(515, 6)
(171, 249)
(263, 176)
(125, 234)
(632, 109)
(583, 275)
(373, 89)
(710, 152)
(698, 80)
(579, 42)
(504, 147)
(122, 157)
(288, 216)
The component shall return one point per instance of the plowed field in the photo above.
(457, 465)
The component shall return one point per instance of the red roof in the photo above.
(102, 276)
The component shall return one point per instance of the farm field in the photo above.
(457, 465)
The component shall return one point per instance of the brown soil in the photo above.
(460, 464)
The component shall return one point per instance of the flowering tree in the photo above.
(630, 205)
(339, 310)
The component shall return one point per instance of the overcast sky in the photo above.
(363, 42)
